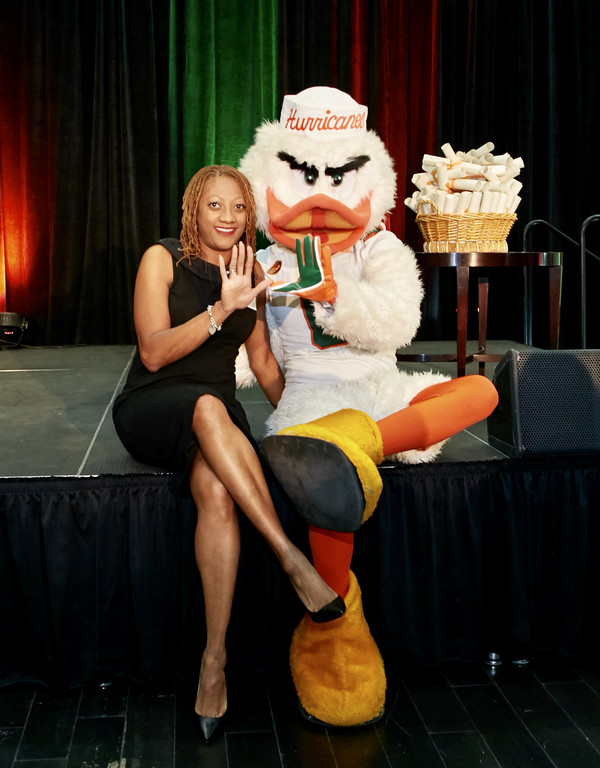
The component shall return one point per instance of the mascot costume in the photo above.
(346, 295)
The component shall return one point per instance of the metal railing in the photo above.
(583, 251)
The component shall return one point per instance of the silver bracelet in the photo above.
(213, 327)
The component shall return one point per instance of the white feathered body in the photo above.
(344, 355)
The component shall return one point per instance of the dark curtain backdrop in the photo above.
(107, 107)
(525, 75)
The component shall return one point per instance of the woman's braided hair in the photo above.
(191, 244)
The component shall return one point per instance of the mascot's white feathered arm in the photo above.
(381, 309)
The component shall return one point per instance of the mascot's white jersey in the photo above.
(344, 356)
(310, 356)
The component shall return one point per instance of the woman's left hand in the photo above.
(236, 289)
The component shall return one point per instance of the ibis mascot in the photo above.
(346, 294)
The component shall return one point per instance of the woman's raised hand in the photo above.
(236, 289)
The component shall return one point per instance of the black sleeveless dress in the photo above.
(153, 413)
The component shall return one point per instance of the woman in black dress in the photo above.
(178, 408)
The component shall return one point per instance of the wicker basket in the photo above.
(464, 232)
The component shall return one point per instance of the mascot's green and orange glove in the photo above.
(316, 281)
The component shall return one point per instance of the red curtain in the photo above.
(407, 96)
(25, 199)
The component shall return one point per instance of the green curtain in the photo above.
(222, 83)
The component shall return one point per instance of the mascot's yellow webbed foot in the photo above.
(337, 669)
(328, 468)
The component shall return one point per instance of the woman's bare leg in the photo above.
(232, 458)
(217, 548)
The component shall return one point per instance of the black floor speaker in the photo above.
(549, 402)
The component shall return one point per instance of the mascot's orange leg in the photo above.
(437, 412)
(332, 555)
(434, 414)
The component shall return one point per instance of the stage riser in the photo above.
(98, 579)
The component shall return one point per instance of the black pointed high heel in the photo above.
(208, 725)
(333, 610)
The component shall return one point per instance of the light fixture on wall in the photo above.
(12, 327)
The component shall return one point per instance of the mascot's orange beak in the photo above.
(338, 226)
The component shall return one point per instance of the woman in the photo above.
(178, 407)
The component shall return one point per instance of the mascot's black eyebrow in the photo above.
(352, 165)
(295, 165)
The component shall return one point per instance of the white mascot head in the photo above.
(319, 171)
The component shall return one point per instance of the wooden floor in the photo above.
(458, 716)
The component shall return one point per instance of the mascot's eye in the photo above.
(302, 182)
(341, 185)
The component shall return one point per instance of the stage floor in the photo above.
(55, 417)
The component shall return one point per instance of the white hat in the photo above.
(323, 112)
